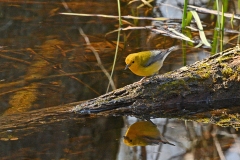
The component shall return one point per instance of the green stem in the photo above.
(184, 14)
(219, 28)
(118, 39)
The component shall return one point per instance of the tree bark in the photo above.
(206, 91)
(197, 91)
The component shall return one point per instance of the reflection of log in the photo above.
(34, 135)
(191, 92)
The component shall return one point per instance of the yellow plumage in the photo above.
(147, 63)
(142, 134)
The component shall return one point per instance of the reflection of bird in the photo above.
(147, 63)
(142, 134)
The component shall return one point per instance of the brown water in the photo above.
(45, 62)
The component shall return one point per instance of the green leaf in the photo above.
(201, 32)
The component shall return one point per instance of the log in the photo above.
(206, 91)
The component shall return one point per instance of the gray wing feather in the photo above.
(160, 55)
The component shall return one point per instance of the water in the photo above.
(45, 62)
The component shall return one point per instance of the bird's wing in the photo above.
(152, 141)
(159, 54)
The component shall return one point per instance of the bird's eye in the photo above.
(132, 61)
(130, 140)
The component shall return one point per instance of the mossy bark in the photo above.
(206, 91)
(194, 92)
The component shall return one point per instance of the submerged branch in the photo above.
(205, 10)
(111, 16)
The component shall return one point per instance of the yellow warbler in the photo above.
(143, 133)
(147, 63)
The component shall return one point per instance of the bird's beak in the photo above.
(127, 66)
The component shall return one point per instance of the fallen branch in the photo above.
(206, 91)
(199, 88)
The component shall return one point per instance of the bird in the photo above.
(147, 63)
(144, 133)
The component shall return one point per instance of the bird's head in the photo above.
(131, 61)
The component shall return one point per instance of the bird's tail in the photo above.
(169, 50)
(164, 141)
(173, 48)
